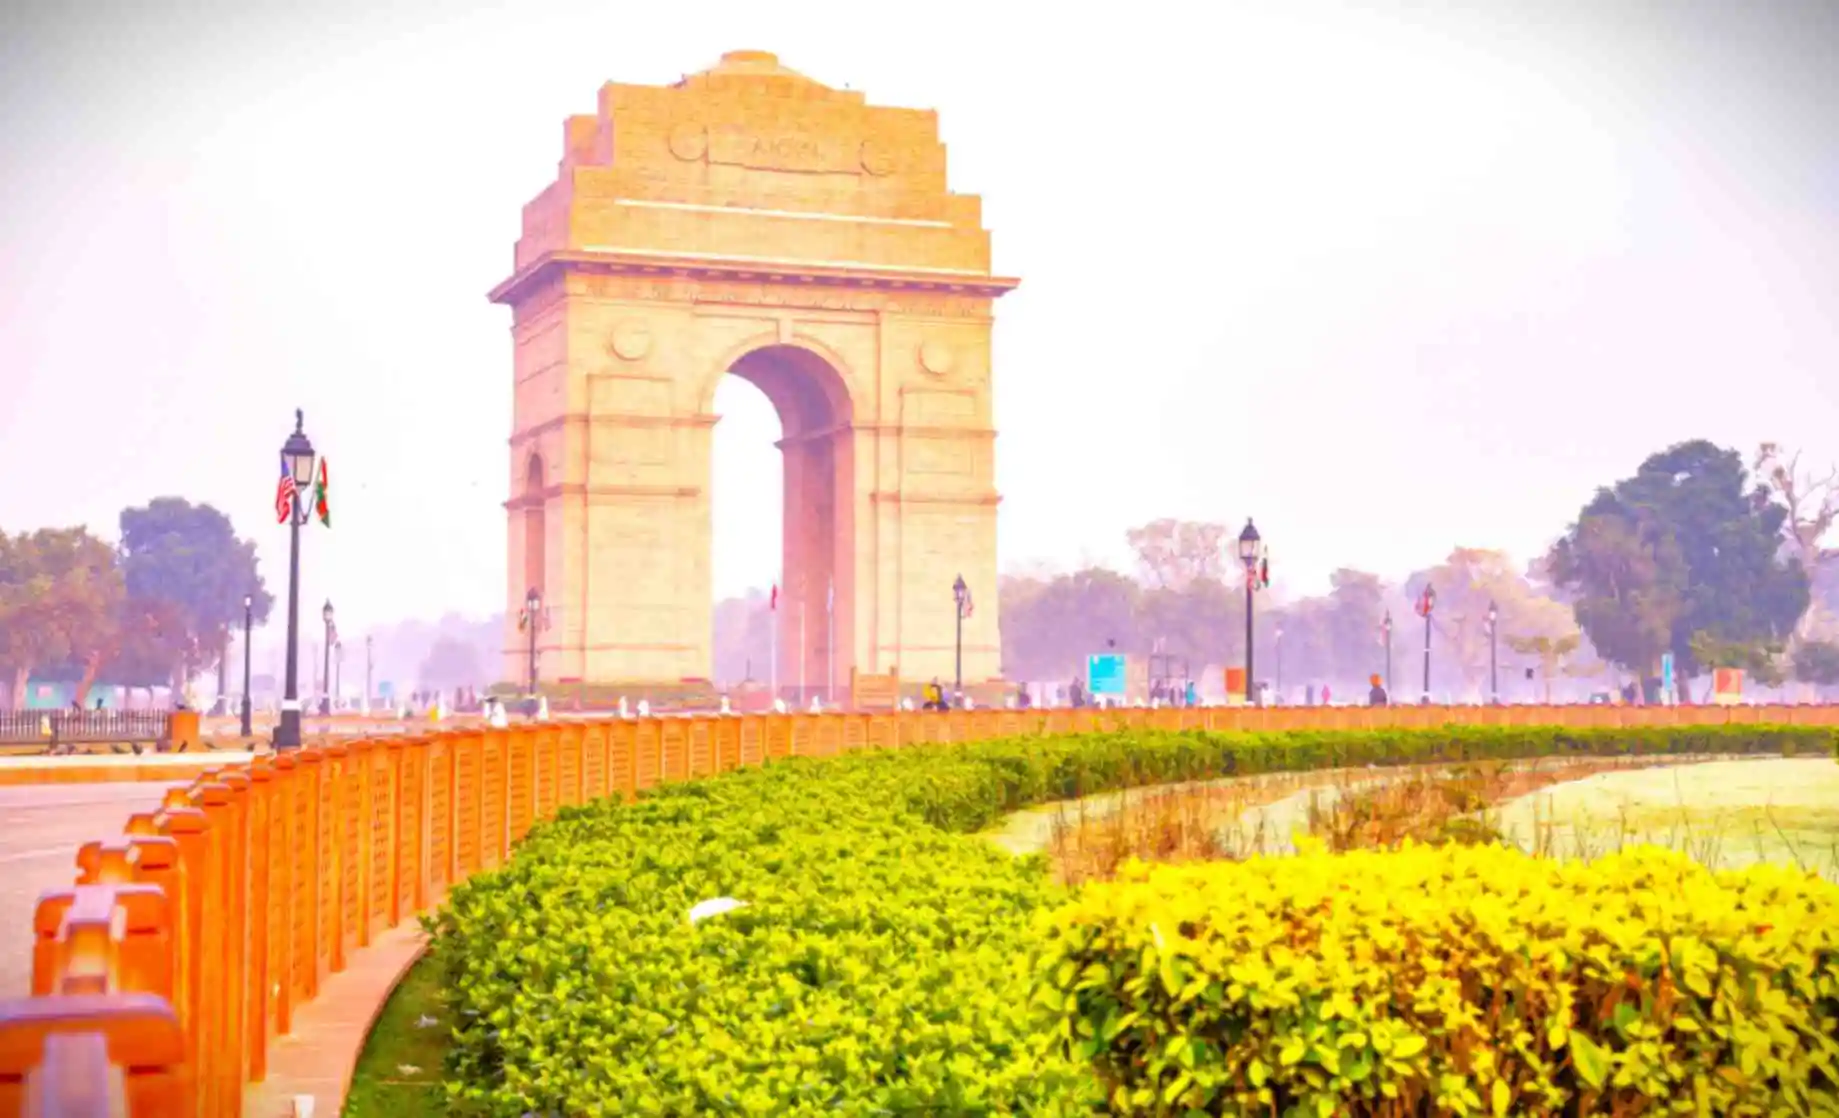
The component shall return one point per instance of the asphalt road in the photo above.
(41, 827)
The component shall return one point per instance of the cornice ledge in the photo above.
(737, 269)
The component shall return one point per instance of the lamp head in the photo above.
(298, 452)
(1248, 543)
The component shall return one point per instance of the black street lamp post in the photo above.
(960, 594)
(297, 456)
(248, 623)
(1249, 542)
(533, 604)
(1386, 627)
(1494, 663)
(325, 675)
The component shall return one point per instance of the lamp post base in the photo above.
(287, 730)
(248, 721)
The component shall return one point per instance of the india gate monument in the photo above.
(748, 220)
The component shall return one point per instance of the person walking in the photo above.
(1377, 696)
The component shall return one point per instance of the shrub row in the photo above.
(1454, 980)
(885, 960)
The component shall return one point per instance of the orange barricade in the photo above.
(93, 1054)
(103, 939)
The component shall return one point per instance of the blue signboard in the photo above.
(1666, 675)
(1105, 673)
(386, 690)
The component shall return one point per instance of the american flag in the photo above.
(285, 494)
(968, 604)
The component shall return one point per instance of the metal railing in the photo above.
(56, 727)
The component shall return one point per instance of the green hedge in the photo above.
(1466, 980)
(883, 964)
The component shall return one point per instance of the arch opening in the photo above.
(800, 648)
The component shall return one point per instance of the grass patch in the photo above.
(399, 1072)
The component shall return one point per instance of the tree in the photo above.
(1684, 546)
(1356, 606)
(450, 663)
(189, 556)
(1553, 653)
(1812, 501)
(1049, 630)
(1627, 580)
(59, 590)
(1171, 554)
(1817, 663)
(1466, 583)
(1761, 660)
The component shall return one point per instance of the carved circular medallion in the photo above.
(877, 159)
(935, 357)
(689, 142)
(631, 340)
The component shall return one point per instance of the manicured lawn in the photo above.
(1727, 814)
(399, 1073)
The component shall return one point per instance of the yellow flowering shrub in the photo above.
(1454, 980)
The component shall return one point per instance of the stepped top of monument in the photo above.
(747, 163)
(758, 63)
(760, 71)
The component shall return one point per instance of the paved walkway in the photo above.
(318, 1057)
(40, 830)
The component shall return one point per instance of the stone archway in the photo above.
(750, 220)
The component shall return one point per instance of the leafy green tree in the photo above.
(1685, 546)
(1817, 663)
(59, 591)
(190, 557)
(1764, 661)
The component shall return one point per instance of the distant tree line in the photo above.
(1696, 554)
(149, 611)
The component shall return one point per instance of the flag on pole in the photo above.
(319, 496)
(1427, 601)
(1264, 573)
(968, 604)
(772, 603)
(284, 494)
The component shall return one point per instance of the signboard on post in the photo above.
(1105, 674)
(874, 692)
(1727, 686)
(1666, 678)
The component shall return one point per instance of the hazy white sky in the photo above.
(1391, 278)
